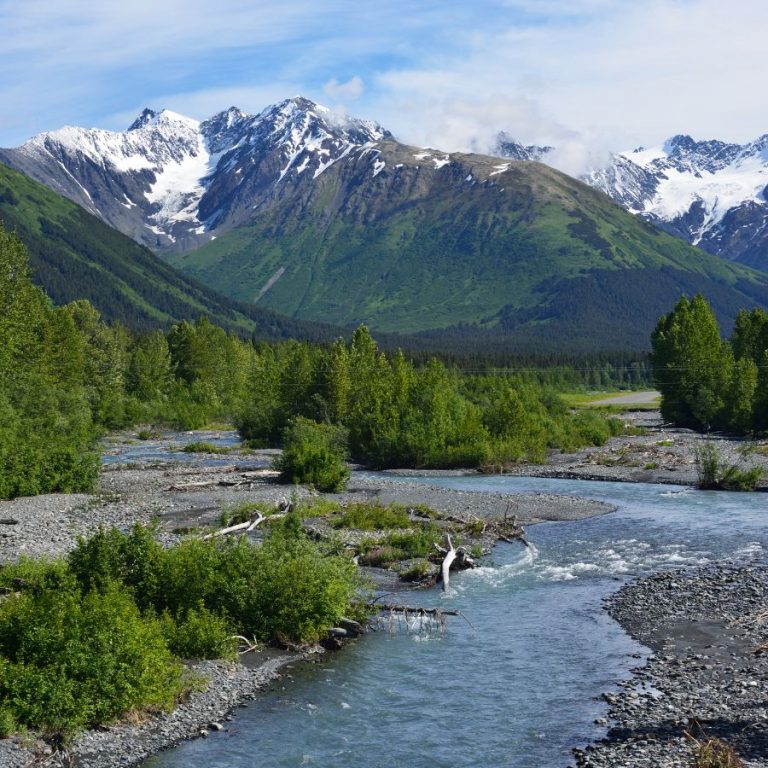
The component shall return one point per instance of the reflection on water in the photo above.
(518, 684)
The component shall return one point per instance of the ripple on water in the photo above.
(519, 686)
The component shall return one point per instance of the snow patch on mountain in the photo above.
(165, 164)
(711, 193)
(701, 180)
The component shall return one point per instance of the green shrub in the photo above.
(399, 545)
(314, 454)
(203, 447)
(8, 724)
(300, 594)
(70, 661)
(417, 571)
(714, 474)
(242, 512)
(735, 479)
(372, 517)
(200, 634)
(133, 559)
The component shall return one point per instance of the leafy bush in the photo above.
(132, 559)
(314, 454)
(70, 661)
(299, 593)
(200, 634)
(372, 517)
(94, 635)
(714, 474)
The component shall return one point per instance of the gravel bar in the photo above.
(703, 677)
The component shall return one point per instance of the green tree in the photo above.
(692, 367)
(149, 374)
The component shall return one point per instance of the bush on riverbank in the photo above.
(314, 454)
(87, 638)
(715, 474)
(71, 660)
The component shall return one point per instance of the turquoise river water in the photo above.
(519, 687)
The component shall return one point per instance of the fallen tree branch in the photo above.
(408, 610)
(250, 645)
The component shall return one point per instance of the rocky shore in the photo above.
(184, 498)
(702, 626)
(705, 678)
(659, 454)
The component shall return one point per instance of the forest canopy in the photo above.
(707, 382)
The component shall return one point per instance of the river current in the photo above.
(517, 684)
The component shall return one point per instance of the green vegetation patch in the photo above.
(88, 638)
(204, 447)
(372, 517)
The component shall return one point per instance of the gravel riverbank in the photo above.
(184, 497)
(661, 454)
(188, 496)
(703, 678)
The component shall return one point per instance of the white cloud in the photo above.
(583, 74)
(599, 76)
(350, 90)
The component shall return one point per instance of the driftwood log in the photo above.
(255, 520)
(450, 556)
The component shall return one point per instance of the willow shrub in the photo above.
(314, 454)
(98, 634)
(285, 588)
(71, 660)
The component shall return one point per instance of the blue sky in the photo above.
(587, 75)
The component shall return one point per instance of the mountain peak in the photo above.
(677, 142)
(147, 116)
(509, 147)
(165, 117)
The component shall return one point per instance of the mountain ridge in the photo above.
(712, 194)
(327, 218)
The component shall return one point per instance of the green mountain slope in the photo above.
(518, 249)
(74, 255)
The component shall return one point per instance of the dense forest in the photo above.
(66, 376)
(707, 382)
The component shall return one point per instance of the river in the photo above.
(518, 682)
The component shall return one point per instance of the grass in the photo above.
(399, 545)
(591, 399)
(203, 447)
(417, 571)
(372, 517)
(710, 752)
(242, 512)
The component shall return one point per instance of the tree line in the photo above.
(708, 382)
(66, 376)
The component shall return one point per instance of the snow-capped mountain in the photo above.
(712, 194)
(508, 147)
(169, 181)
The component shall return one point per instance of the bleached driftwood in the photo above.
(450, 556)
(256, 519)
